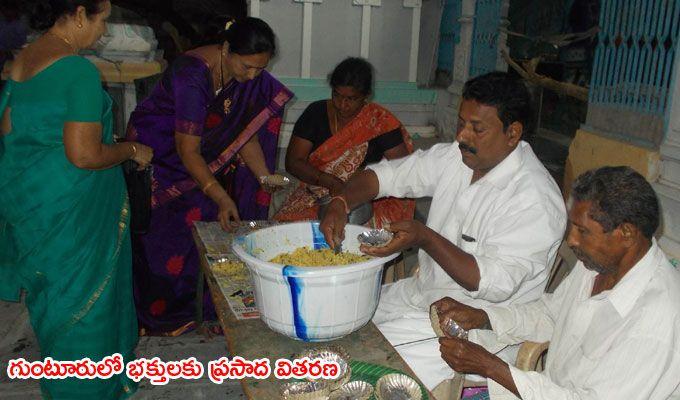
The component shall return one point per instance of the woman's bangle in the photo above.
(134, 150)
(344, 201)
(207, 186)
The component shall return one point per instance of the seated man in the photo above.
(613, 324)
(495, 223)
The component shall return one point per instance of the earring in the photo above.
(80, 26)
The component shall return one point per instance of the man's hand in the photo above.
(466, 357)
(465, 316)
(333, 223)
(470, 358)
(410, 233)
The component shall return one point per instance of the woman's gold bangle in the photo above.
(207, 186)
(134, 150)
(344, 201)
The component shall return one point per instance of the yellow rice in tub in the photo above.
(306, 257)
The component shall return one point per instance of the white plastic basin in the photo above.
(312, 304)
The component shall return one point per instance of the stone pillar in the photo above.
(254, 8)
(306, 57)
(366, 23)
(501, 64)
(461, 69)
(416, 5)
(463, 57)
(668, 185)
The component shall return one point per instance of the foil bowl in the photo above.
(356, 390)
(375, 237)
(305, 391)
(434, 321)
(332, 353)
(454, 330)
(450, 327)
(397, 387)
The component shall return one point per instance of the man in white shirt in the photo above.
(494, 226)
(613, 324)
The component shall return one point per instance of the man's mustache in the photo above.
(468, 148)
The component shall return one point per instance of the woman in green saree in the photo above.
(63, 204)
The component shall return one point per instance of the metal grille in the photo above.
(449, 34)
(485, 37)
(634, 56)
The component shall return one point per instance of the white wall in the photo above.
(390, 40)
(285, 18)
(336, 34)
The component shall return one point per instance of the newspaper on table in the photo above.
(231, 274)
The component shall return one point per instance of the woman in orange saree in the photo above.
(335, 138)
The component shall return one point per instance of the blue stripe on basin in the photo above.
(317, 237)
(295, 285)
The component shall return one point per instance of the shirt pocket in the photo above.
(468, 243)
(603, 329)
(594, 347)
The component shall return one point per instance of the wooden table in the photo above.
(252, 339)
(123, 74)
(119, 74)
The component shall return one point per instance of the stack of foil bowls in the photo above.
(389, 387)
(305, 391)
(397, 387)
(332, 353)
(355, 390)
(336, 389)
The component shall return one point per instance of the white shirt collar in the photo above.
(627, 291)
(501, 174)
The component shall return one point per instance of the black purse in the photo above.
(139, 193)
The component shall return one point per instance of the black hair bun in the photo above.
(41, 15)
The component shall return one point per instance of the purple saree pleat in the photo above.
(165, 259)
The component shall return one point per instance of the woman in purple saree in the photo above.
(214, 110)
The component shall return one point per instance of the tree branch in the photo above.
(528, 72)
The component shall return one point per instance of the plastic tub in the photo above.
(312, 304)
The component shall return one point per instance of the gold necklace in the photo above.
(68, 42)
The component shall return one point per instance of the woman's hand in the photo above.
(333, 223)
(227, 213)
(142, 155)
(336, 186)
